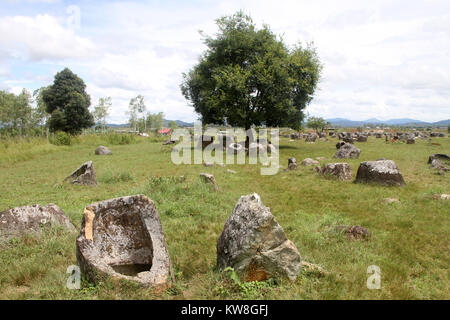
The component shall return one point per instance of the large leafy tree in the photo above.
(250, 77)
(68, 103)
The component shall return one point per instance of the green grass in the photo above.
(409, 240)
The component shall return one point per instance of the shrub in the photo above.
(110, 177)
(61, 138)
(120, 139)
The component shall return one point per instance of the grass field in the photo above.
(410, 240)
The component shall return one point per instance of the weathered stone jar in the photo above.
(123, 238)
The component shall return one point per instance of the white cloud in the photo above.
(42, 37)
(381, 59)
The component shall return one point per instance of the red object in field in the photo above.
(164, 131)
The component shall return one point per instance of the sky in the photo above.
(382, 59)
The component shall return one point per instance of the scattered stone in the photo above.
(320, 158)
(410, 141)
(168, 142)
(123, 238)
(311, 138)
(391, 200)
(313, 268)
(339, 144)
(354, 232)
(347, 151)
(209, 178)
(102, 150)
(84, 175)
(362, 138)
(349, 139)
(342, 171)
(438, 156)
(254, 244)
(231, 171)
(439, 165)
(445, 196)
(384, 172)
(29, 219)
(309, 162)
(292, 164)
(208, 164)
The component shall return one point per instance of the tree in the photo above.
(155, 121)
(39, 114)
(249, 77)
(135, 107)
(101, 111)
(15, 111)
(317, 123)
(68, 103)
(6, 105)
(172, 124)
(141, 108)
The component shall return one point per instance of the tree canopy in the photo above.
(155, 121)
(317, 123)
(248, 76)
(68, 103)
(16, 114)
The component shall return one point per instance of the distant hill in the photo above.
(179, 123)
(442, 123)
(341, 122)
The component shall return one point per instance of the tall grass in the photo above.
(17, 149)
(14, 150)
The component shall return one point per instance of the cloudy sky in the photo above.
(382, 59)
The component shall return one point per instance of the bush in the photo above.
(61, 138)
(120, 139)
(111, 177)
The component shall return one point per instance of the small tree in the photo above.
(137, 106)
(68, 103)
(172, 124)
(155, 121)
(317, 123)
(15, 111)
(132, 113)
(40, 115)
(101, 111)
